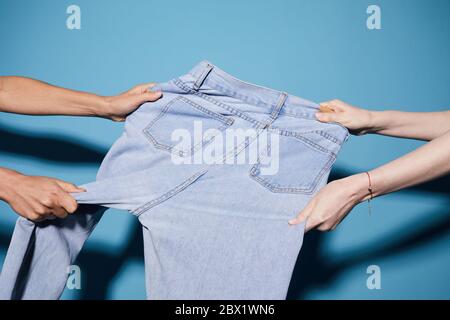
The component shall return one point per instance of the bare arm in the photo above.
(426, 163)
(413, 125)
(333, 203)
(39, 198)
(33, 97)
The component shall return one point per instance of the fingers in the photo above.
(152, 95)
(327, 117)
(300, 218)
(68, 203)
(141, 88)
(139, 99)
(329, 112)
(149, 86)
(60, 204)
(144, 90)
(68, 187)
(59, 212)
(42, 198)
(325, 107)
(334, 105)
(306, 212)
(310, 225)
(125, 104)
(65, 203)
(306, 215)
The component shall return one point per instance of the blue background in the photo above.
(315, 49)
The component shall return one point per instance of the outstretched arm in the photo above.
(333, 203)
(38, 198)
(414, 125)
(33, 97)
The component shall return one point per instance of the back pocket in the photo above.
(293, 163)
(184, 126)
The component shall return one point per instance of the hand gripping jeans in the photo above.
(212, 229)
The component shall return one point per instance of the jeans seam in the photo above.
(242, 97)
(238, 96)
(328, 136)
(157, 118)
(298, 115)
(278, 107)
(324, 134)
(172, 192)
(203, 76)
(225, 120)
(310, 117)
(307, 141)
(239, 147)
(232, 110)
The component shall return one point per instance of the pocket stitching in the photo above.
(226, 122)
(306, 141)
(217, 116)
(274, 188)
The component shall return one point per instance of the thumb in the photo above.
(141, 88)
(148, 96)
(327, 116)
(302, 216)
(299, 219)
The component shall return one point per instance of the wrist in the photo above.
(102, 107)
(107, 110)
(376, 121)
(7, 180)
(359, 187)
(372, 117)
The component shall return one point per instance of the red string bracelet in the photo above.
(371, 193)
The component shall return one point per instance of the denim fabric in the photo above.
(211, 230)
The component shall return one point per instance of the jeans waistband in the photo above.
(206, 75)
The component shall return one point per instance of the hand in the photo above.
(118, 107)
(333, 203)
(356, 120)
(37, 198)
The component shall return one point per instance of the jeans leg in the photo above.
(39, 255)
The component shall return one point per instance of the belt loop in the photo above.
(208, 68)
(280, 104)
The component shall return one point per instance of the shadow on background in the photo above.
(312, 270)
(100, 267)
(49, 147)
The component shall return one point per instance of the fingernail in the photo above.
(318, 115)
(293, 221)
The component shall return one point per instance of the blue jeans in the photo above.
(214, 208)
